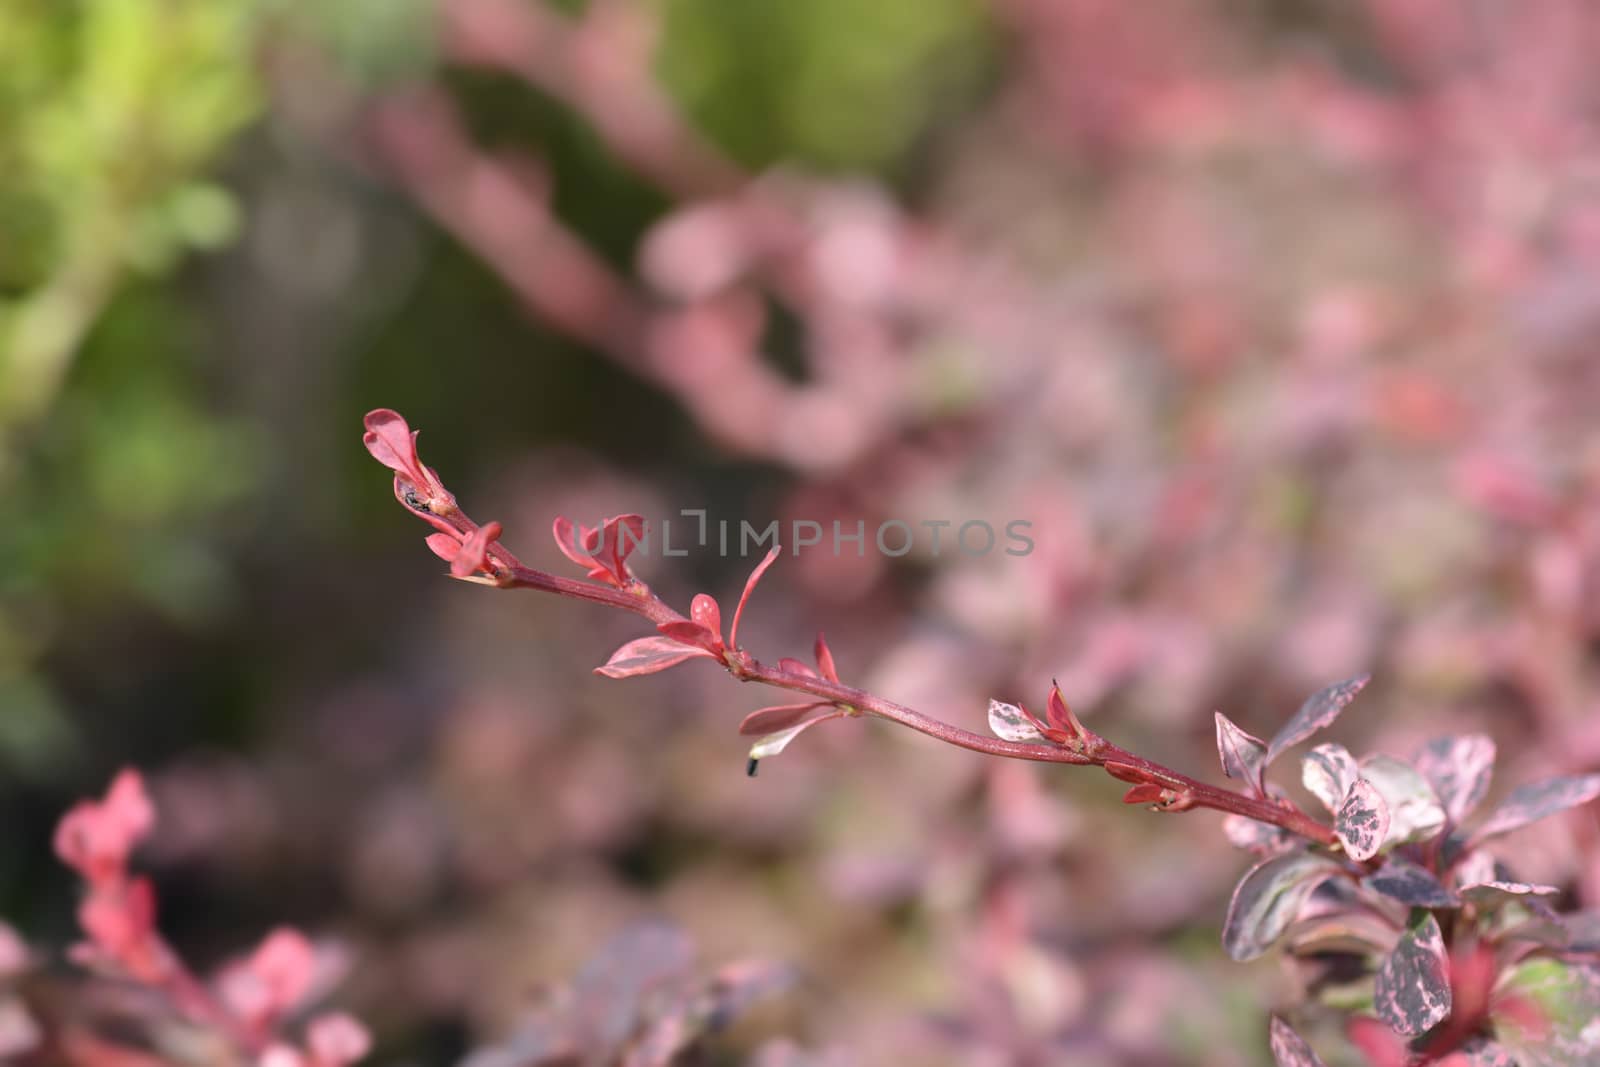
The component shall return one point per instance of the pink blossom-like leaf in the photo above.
(778, 717)
(1268, 898)
(794, 666)
(1328, 772)
(1289, 1049)
(1147, 793)
(1539, 800)
(1318, 712)
(622, 534)
(1060, 716)
(692, 633)
(444, 546)
(1458, 769)
(1410, 884)
(825, 659)
(474, 552)
(1412, 993)
(337, 1040)
(1243, 755)
(703, 609)
(577, 543)
(1363, 821)
(749, 587)
(392, 443)
(95, 838)
(647, 655)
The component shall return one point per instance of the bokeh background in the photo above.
(1276, 319)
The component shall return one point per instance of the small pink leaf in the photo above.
(647, 655)
(778, 717)
(1289, 1049)
(1316, 713)
(825, 659)
(1530, 803)
(1363, 821)
(1148, 793)
(1060, 716)
(749, 587)
(474, 552)
(794, 666)
(391, 442)
(1412, 993)
(690, 633)
(1011, 723)
(703, 609)
(774, 743)
(444, 546)
(1458, 769)
(1243, 755)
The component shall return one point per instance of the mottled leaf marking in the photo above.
(1363, 821)
(1530, 803)
(1410, 884)
(1412, 993)
(1289, 1049)
(1009, 723)
(1495, 894)
(1329, 771)
(1259, 837)
(1458, 769)
(1319, 710)
(1267, 900)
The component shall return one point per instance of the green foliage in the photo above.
(836, 82)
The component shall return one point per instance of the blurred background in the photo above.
(1276, 320)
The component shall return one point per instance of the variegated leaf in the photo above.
(1415, 814)
(1316, 713)
(1289, 1049)
(1402, 880)
(1412, 993)
(1329, 771)
(1530, 803)
(1010, 724)
(1268, 898)
(1495, 894)
(1262, 838)
(1243, 755)
(1458, 769)
(1363, 821)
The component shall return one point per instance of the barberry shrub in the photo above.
(1403, 918)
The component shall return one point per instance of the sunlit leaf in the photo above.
(1458, 769)
(1415, 814)
(1329, 771)
(1363, 821)
(1243, 755)
(1412, 993)
(1539, 800)
(648, 655)
(1269, 898)
(1010, 723)
(1316, 713)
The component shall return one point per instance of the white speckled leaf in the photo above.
(1329, 771)
(1415, 814)
(1363, 821)
(1010, 724)
(1319, 710)
(1262, 838)
(1268, 898)
(1289, 1049)
(1458, 769)
(1412, 993)
(1530, 803)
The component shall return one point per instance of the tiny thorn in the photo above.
(750, 768)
